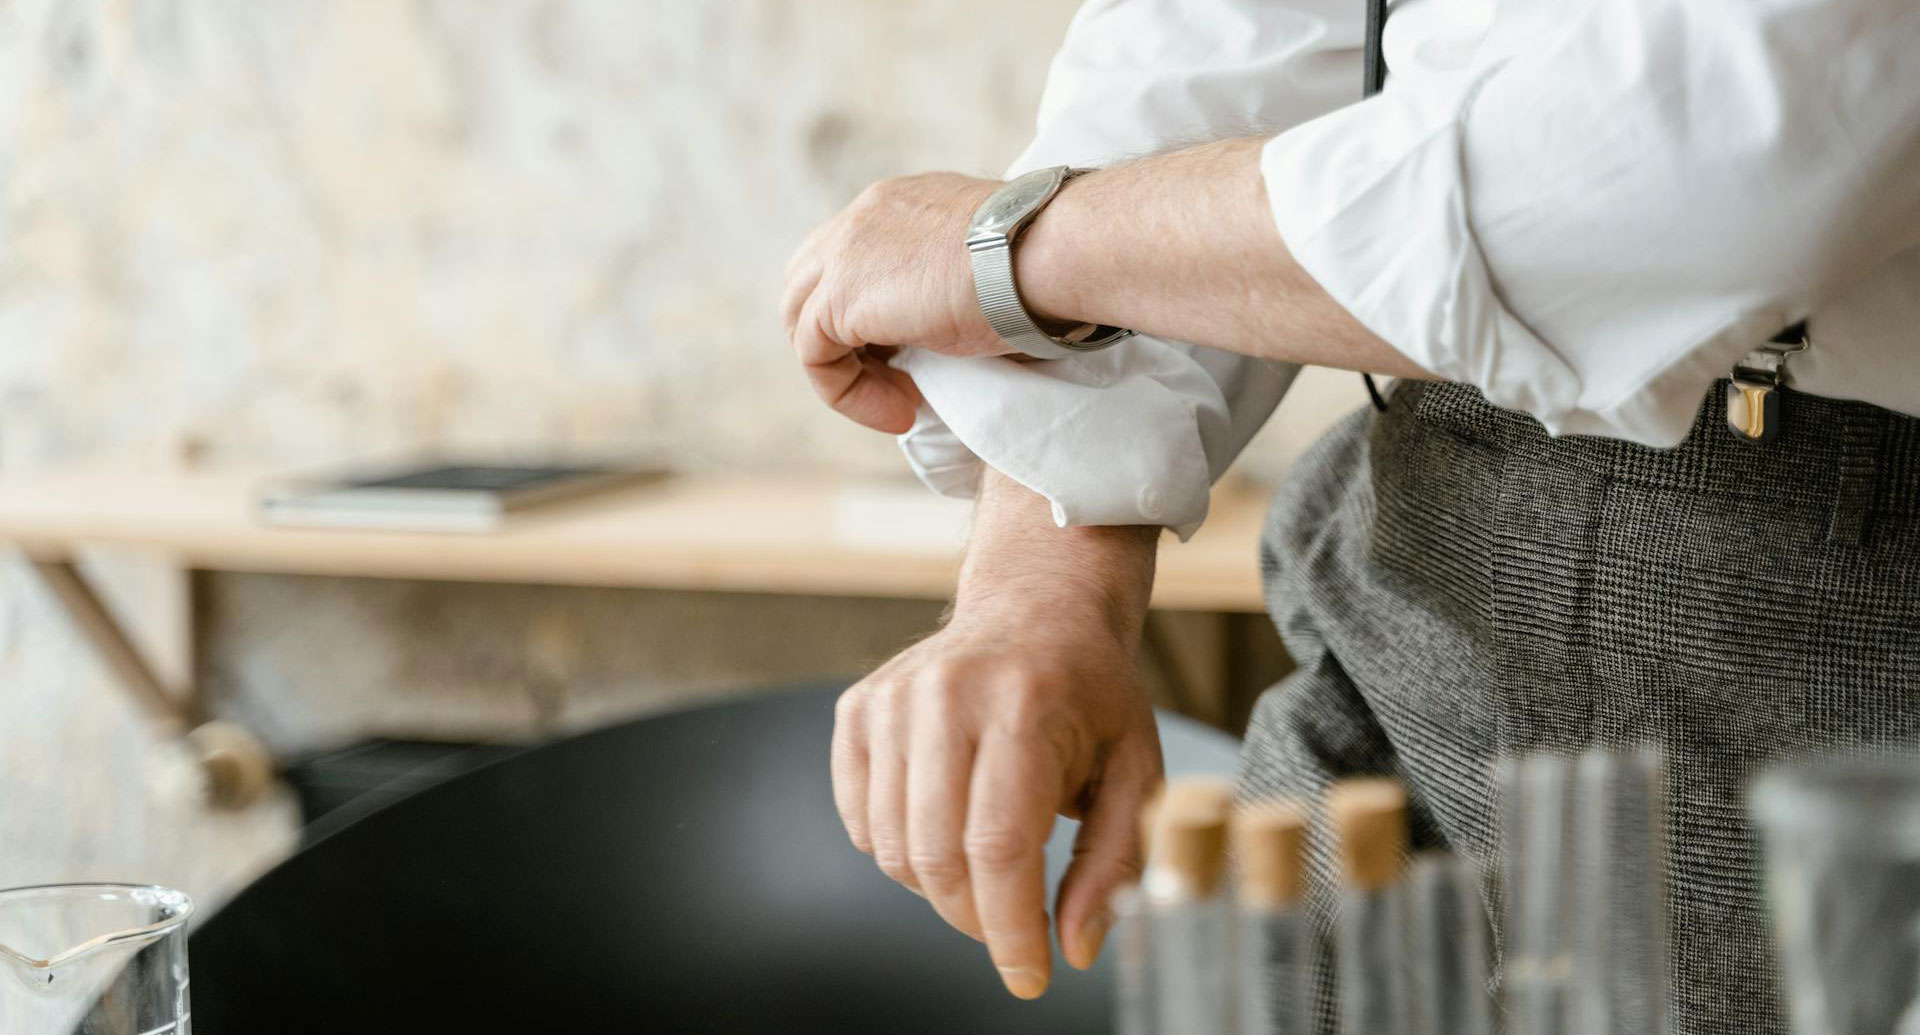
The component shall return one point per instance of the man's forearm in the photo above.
(1017, 556)
(1183, 245)
(1180, 246)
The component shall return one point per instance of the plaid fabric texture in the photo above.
(1457, 585)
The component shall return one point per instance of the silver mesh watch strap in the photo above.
(1000, 302)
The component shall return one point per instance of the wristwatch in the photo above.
(990, 238)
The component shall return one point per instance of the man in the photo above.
(1561, 224)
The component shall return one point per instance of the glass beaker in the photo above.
(1843, 878)
(94, 959)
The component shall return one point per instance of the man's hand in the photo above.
(890, 270)
(951, 761)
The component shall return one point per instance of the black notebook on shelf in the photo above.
(438, 497)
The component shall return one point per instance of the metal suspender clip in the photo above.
(1753, 395)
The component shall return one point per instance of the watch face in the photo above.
(1017, 200)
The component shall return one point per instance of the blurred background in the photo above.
(273, 235)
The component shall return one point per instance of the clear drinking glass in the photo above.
(94, 959)
(1843, 876)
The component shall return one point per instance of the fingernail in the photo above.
(1024, 982)
(1093, 934)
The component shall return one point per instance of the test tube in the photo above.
(1133, 987)
(1448, 940)
(1843, 878)
(1188, 927)
(1276, 990)
(1619, 931)
(1535, 843)
(1370, 822)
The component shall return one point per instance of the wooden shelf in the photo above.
(740, 534)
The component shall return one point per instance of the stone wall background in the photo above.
(276, 234)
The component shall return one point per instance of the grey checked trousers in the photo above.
(1456, 585)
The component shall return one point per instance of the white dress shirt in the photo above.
(1589, 210)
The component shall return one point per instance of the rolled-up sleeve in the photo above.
(1136, 434)
(1616, 199)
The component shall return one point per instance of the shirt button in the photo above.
(1151, 505)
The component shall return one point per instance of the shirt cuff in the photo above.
(1111, 438)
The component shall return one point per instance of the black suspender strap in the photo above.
(1373, 65)
(1794, 335)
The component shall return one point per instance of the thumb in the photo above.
(1106, 854)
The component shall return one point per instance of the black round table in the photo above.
(680, 873)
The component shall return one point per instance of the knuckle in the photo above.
(1035, 716)
(1028, 703)
(1130, 868)
(882, 706)
(892, 860)
(939, 691)
(996, 849)
(820, 312)
(944, 674)
(848, 706)
(938, 869)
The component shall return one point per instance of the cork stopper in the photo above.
(1188, 838)
(1270, 846)
(1370, 824)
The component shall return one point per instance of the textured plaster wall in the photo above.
(280, 233)
(277, 233)
(291, 231)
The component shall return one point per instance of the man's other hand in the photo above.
(950, 763)
(890, 270)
